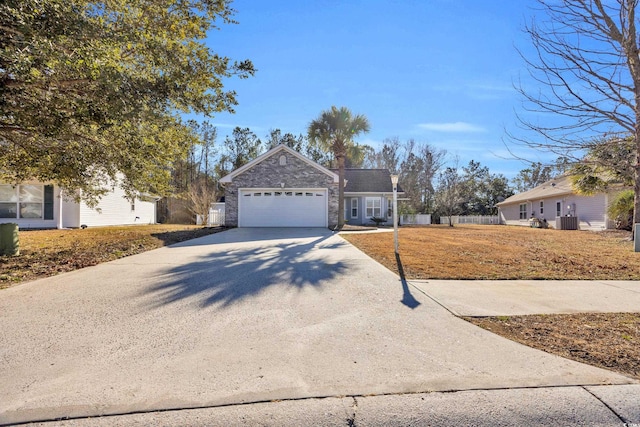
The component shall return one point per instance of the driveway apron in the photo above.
(246, 315)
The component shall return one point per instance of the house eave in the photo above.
(517, 200)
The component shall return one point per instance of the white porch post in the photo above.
(60, 209)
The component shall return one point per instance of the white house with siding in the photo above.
(38, 205)
(555, 199)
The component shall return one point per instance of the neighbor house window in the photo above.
(26, 201)
(374, 207)
(541, 207)
(354, 208)
(558, 209)
(523, 211)
(8, 201)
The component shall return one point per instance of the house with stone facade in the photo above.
(283, 188)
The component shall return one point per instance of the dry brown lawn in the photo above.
(607, 340)
(502, 252)
(47, 252)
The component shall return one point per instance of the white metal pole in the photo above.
(394, 181)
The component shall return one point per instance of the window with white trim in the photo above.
(26, 201)
(558, 208)
(373, 207)
(354, 208)
(541, 207)
(523, 211)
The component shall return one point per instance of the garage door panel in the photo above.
(283, 208)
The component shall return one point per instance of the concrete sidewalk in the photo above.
(521, 297)
(274, 327)
(565, 406)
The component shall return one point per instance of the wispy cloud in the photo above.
(479, 91)
(452, 127)
(492, 87)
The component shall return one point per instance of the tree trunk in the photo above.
(340, 159)
(636, 182)
(636, 186)
(630, 45)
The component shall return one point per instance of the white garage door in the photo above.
(282, 208)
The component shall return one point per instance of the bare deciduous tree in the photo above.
(418, 171)
(587, 58)
(449, 194)
(201, 195)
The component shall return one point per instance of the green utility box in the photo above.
(9, 243)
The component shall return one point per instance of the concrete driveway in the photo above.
(247, 315)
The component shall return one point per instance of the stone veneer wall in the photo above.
(269, 174)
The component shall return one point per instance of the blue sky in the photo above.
(437, 71)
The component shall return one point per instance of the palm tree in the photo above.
(334, 131)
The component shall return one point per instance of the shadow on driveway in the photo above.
(233, 272)
(252, 235)
(407, 298)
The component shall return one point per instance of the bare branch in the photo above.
(586, 81)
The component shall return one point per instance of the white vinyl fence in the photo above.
(216, 214)
(416, 219)
(471, 219)
(215, 217)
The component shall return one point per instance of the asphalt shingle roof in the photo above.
(368, 181)
(555, 187)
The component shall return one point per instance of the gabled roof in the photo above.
(368, 181)
(556, 187)
(278, 149)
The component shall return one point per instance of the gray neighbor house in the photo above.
(554, 200)
(283, 188)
